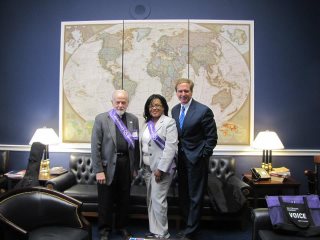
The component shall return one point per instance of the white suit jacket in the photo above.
(162, 159)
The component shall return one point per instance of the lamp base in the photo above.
(45, 166)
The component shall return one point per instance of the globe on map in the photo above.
(153, 56)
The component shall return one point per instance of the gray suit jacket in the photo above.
(104, 145)
(162, 160)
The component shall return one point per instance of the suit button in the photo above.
(150, 154)
(114, 164)
(149, 145)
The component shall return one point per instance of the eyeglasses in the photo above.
(158, 107)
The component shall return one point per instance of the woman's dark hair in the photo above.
(163, 101)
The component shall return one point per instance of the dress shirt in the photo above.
(145, 146)
(186, 107)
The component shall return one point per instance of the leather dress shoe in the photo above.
(104, 234)
(124, 233)
(149, 235)
(183, 236)
(180, 235)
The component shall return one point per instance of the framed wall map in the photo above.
(146, 57)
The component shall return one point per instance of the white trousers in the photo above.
(157, 202)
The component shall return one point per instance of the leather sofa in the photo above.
(4, 160)
(40, 213)
(80, 183)
(262, 228)
(313, 176)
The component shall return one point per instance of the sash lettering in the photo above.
(155, 137)
(122, 128)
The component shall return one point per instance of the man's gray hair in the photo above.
(120, 92)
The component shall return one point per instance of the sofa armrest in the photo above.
(261, 221)
(239, 184)
(62, 182)
(138, 179)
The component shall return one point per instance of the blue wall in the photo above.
(287, 63)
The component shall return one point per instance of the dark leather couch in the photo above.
(79, 183)
(40, 213)
(4, 159)
(262, 228)
(314, 176)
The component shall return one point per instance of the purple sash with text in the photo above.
(122, 128)
(154, 136)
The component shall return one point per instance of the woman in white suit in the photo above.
(159, 145)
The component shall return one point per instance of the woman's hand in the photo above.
(158, 175)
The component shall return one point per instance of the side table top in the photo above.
(289, 181)
(14, 175)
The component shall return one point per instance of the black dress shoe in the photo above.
(104, 234)
(124, 234)
(149, 235)
(180, 235)
(183, 236)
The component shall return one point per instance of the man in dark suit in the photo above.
(115, 156)
(198, 137)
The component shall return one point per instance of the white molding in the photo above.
(219, 150)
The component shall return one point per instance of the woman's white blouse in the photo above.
(145, 147)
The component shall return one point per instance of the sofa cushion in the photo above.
(83, 192)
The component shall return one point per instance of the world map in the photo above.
(147, 57)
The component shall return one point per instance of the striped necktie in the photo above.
(182, 115)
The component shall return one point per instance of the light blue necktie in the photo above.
(182, 115)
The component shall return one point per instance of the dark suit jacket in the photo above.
(104, 144)
(198, 136)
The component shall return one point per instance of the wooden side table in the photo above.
(262, 188)
(43, 178)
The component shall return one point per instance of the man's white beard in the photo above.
(120, 112)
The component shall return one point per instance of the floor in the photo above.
(209, 231)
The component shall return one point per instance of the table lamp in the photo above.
(45, 136)
(267, 141)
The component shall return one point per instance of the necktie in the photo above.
(182, 115)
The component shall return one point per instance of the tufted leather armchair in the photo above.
(79, 183)
(40, 213)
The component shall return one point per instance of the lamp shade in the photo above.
(267, 140)
(45, 136)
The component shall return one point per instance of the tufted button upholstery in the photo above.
(80, 182)
(222, 168)
(81, 167)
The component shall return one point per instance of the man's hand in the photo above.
(101, 178)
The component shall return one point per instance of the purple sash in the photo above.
(122, 128)
(154, 136)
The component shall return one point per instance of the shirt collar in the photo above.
(186, 106)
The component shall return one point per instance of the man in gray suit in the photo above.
(115, 155)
